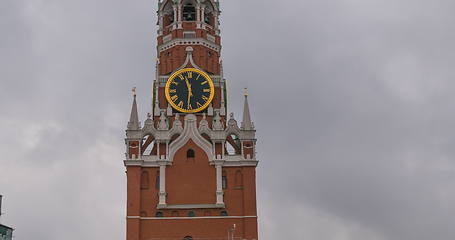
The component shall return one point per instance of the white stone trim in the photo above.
(186, 218)
(194, 41)
(162, 194)
(190, 132)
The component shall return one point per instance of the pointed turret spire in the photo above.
(134, 124)
(246, 123)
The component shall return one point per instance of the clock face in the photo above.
(189, 90)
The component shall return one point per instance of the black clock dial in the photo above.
(189, 90)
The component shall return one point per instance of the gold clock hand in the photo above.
(190, 92)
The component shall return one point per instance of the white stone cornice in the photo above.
(193, 41)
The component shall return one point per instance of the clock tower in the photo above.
(191, 169)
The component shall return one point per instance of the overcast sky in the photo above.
(353, 101)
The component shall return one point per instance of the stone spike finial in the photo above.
(246, 123)
(134, 124)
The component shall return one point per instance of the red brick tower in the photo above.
(191, 171)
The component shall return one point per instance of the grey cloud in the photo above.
(353, 102)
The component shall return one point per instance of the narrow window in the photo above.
(238, 179)
(223, 213)
(224, 180)
(157, 180)
(159, 214)
(188, 238)
(190, 153)
(144, 180)
(191, 214)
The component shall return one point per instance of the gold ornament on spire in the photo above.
(134, 91)
(245, 92)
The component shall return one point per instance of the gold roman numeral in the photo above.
(172, 90)
(174, 82)
(181, 77)
(198, 105)
(190, 74)
(180, 105)
(190, 107)
(174, 98)
(205, 98)
(198, 76)
(207, 90)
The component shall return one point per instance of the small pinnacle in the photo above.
(134, 91)
(245, 92)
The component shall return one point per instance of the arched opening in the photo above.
(191, 214)
(188, 238)
(168, 14)
(238, 179)
(157, 180)
(190, 153)
(149, 146)
(208, 18)
(145, 180)
(223, 213)
(189, 12)
(224, 180)
(159, 214)
(232, 145)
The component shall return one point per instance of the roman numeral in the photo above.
(174, 82)
(205, 98)
(190, 107)
(172, 90)
(180, 105)
(181, 77)
(190, 74)
(204, 82)
(207, 90)
(198, 105)
(174, 98)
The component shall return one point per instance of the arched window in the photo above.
(157, 180)
(191, 214)
(188, 238)
(233, 145)
(223, 213)
(159, 214)
(143, 214)
(207, 18)
(189, 12)
(238, 179)
(224, 180)
(190, 153)
(144, 180)
(149, 146)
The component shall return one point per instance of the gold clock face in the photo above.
(189, 90)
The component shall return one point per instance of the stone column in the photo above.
(219, 185)
(162, 184)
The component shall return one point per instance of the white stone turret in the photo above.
(134, 123)
(247, 124)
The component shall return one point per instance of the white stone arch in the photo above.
(190, 132)
(166, 4)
